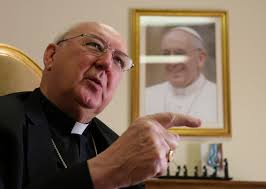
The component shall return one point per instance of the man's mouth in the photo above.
(178, 69)
(96, 81)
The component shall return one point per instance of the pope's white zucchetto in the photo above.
(189, 31)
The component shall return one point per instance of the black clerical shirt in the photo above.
(74, 148)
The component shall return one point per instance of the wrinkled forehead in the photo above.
(105, 32)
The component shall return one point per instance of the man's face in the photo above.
(83, 78)
(183, 73)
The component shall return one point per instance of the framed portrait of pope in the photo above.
(181, 65)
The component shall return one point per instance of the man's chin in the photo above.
(90, 104)
(178, 83)
(88, 100)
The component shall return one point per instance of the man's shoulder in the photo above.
(210, 86)
(13, 102)
(12, 108)
(18, 97)
(158, 87)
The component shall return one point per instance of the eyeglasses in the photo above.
(98, 47)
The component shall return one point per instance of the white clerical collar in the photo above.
(79, 128)
(192, 88)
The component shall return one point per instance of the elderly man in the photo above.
(186, 90)
(50, 137)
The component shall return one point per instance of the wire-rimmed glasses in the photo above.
(98, 47)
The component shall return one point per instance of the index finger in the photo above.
(169, 119)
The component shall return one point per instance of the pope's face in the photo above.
(183, 73)
(80, 76)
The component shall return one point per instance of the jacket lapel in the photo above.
(40, 154)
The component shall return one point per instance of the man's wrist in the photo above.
(104, 175)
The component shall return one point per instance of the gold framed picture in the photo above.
(181, 65)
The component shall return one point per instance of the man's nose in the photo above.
(105, 61)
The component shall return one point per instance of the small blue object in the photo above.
(213, 156)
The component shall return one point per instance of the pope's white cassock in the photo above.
(198, 99)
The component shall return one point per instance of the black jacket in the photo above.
(27, 158)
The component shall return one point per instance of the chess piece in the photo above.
(178, 171)
(168, 171)
(214, 174)
(185, 171)
(205, 171)
(196, 171)
(226, 172)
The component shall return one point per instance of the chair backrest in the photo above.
(18, 72)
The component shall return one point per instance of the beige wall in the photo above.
(30, 25)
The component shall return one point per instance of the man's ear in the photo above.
(202, 59)
(48, 57)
